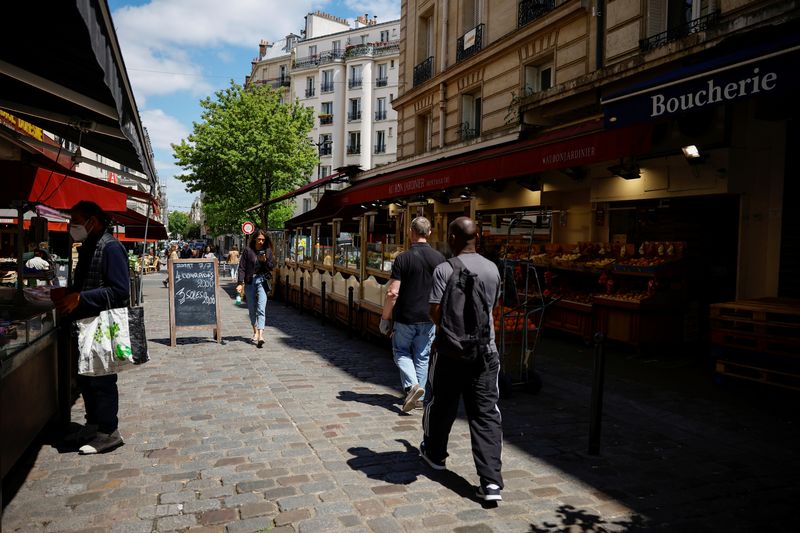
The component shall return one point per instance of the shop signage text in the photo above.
(568, 156)
(418, 185)
(714, 93)
(21, 125)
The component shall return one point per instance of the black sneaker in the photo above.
(489, 493)
(102, 442)
(436, 465)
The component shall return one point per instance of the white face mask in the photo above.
(78, 232)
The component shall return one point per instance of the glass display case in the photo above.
(348, 250)
(384, 242)
(300, 246)
(23, 321)
(381, 256)
(323, 245)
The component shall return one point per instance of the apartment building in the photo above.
(348, 75)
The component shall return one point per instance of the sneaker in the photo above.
(81, 436)
(103, 442)
(489, 493)
(436, 465)
(414, 394)
(419, 404)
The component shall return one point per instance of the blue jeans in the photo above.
(411, 345)
(257, 301)
(234, 271)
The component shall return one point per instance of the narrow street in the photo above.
(307, 435)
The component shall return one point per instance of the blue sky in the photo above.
(177, 52)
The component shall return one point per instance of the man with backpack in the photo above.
(406, 313)
(465, 359)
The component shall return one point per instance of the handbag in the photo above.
(104, 343)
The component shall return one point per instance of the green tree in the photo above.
(225, 217)
(177, 222)
(248, 147)
(193, 231)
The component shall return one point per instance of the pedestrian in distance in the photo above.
(406, 315)
(186, 252)
(465, 360)
(253, 281)
(101, 282)
(233, 261)
(208, 252)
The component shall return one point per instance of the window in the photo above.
(469, 15)
(385, 36)
(391, 63)
(380, 142)
(423, 139)
(282, 72)
(390, 131)
(380, 113)
(470, 116)
(354, 142)
(425, 38)
(327, 81)
(324, 170)
(355, 109)
(355, 76)
(325, 145)
(538, 78)
(337, 46)
(364, 39)
(383, 75)
(310, 87)
(312, 50)
(326, 113)
(306, 205)
(667, 14)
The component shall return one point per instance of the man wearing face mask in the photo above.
(101, 282)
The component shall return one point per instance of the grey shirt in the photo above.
(485, 270)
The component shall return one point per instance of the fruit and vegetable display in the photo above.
(508, 319)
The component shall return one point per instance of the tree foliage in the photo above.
(193, 231)
(177, 222)
(248, 147)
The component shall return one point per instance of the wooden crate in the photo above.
(767, 376)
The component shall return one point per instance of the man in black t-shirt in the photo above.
(405, 312)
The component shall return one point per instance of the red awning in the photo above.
(583, 144)
(56, 190)
(121, 237)
(297, 192)
(135, 222)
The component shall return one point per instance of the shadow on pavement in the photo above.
(387, 401)
(572, 519)
(404, 467)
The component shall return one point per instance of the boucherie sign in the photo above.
(677, 94)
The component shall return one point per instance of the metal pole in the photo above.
(596, 409)
(286, 291)
(302, 287)
(350, 312)
(322, 302)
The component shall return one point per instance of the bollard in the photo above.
(322, 303)
(302, 284)
(596, 409)
(286, 291)
(350, 313)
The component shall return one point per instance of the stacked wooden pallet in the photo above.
(758, 340)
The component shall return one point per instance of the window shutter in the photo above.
(656, 16)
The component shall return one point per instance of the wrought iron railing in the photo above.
(678, 32)
(354, 83)
(325, 149)
(381, 82)
(325, 120)
(465, 132)
(305, 62)
(310, 92)
(326, 87)
(353, 115)
(284, 81)
(354, 149)
(373, 49)
(470, 43)
(530, 10)
(380, 115)
(423, 72)
(329, 56)
(380, 148)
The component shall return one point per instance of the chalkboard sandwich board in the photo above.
(193, 296)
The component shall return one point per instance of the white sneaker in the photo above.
(414, 394)
(103, 442)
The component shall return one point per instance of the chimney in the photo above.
(262, 48)
(374, 20)
(246, 81)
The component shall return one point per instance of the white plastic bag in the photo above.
(104, 343)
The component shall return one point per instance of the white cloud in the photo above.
(163, 129)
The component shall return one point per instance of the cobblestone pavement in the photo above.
(307, 435)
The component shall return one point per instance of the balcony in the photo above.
(354, 83)
(353, 115)
(465, 132)
(326, 87)
(325, 120)
(470, 43)
(423, 72)
(330, 56)
(380, 148)
(678, 32)
(380, 114)
(284, 81)
(310, 92)
(382, 82)
(325, 149)
(378, 49)
(306, 62)
(352, 150)
(530, 10)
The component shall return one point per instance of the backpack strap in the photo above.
(416, 253)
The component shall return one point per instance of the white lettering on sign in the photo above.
(569, 155)
(409, 186)
(714, 93)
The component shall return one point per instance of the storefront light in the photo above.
(691, 152)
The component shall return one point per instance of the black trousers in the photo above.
(101, 398)
(448, 380)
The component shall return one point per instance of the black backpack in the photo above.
(464, 330)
